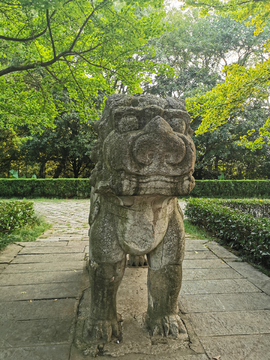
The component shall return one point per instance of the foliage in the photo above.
(232, 189)
(82, 47)
(197, 48)
(254, 207)
(241, 231)
(15, 214)
(220, 151)
(194, 231)
(67, 146)
(27, 233)
(243, 84)
(48, 188)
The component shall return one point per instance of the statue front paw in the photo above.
(102, 330)
(166, 325)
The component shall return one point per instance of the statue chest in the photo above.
(141, 222)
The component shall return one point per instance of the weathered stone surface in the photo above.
(210, 274)
(217, 286)
(200, 254)
(40, 309)
(37, 250)
(9, 253)
(224, 302)
(220, 251)
(144, 159)
(38, 243)
(47, 258)
(2, 267)
(35, 267)
(42, 291)
(49, 352)
(256, 277)
(77, 355)
(41, 277)
(35, 332)
(248, 347)
(204, 264)
(195, 245)
(231, 323)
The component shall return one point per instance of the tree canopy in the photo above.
(198, 48)
(243, 84)
(85, 48)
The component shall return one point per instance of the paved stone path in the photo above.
(225, 303)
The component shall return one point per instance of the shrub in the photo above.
(15, 214)
(232, 189)
(244, 232)
(254, 207)
(49, 188)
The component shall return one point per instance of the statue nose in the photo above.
(159, 144)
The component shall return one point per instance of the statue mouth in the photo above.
(153, 178)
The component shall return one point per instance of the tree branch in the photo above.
(74, 78)
(8, 38)
(50, 32)
(23, 39)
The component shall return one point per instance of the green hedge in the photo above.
(68, 188)
(254, 207)
(50, 188)
(243, 232)
(15, 214)
(232, 189)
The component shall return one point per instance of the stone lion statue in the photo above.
(144, 159)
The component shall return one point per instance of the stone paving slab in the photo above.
(76, 355)
(41, 309)
(47, 258)
(204, 264)
(41, 278)
(9, 253)
(41, 291)
(231, 323)
(2, 267)
(59, 239)
(195, 244)
(34, 250)
(220, 251)
(224, 302)
(35, 332)
(210, 274)
(256, 277)
(38, 243)
(35, 267)
(49, 352)
(199, 255)
(217, 286)
(248, 347)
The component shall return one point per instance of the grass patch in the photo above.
(26, 233)
(196, 232)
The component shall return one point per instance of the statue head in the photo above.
(144, 147)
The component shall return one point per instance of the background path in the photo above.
(225, 302)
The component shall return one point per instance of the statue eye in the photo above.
(178, 125)
(128, 123)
